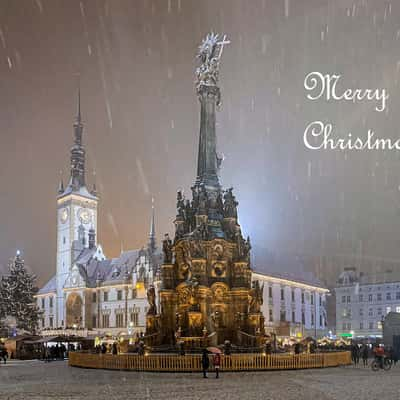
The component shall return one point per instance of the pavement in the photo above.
(36, 380)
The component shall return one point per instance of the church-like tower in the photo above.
(76, 216)
(206, 295)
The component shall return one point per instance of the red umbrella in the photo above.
(214, 350)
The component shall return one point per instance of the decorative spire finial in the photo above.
(61, 185)
(152, 235)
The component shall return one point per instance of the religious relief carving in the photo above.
(230, 204)
(180, 204)
(216, 318)
(256, 297)
(167, 249)
(187, 295)
(183, 260)
(219, 292)
(190, 222)
(220, 204)
(151, 299)
(210, 52)
(196, 249)
(218, 270)
(203, 201)
(218, 252)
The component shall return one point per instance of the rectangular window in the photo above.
(379, 297)
(302, 297)
(51, 322)
(312, 298)
(94, 297)
(303, 318)
(320, 300)
(349, 299)
(42, 302)
(119, 295)
(370, 297)
(397, 295)
(293, 316)
(371, 325)
(119, 320)
(361, 325)
(293, 296)
(361, 312)
(94, 321)
(344, 326)
(370, 312)
(282, 294)
(343, 299)
(321, 322)
(105, 297)
(51, 302)
(388, 296)
(106, 320)
(388, 309)
(283, 316)
(360, 298)
(349, 326)
(379, 311)
(397, 309)
(134, 294)
(135, 318)
(42, 322)
(312, 319)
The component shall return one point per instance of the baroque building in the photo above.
(89, 291)
(363, 301)
(293, 307)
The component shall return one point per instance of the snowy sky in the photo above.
(136, 61)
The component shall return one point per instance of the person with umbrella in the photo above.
(205, 362)
(216, 359)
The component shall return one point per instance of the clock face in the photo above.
(84, 215)
(64, 215)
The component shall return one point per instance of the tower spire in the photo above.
(79, 100)
(152, 235)
(77, 150)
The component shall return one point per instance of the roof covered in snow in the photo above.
(49, 287)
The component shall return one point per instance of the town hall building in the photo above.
(90, 292)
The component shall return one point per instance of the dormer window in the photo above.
(116, 272)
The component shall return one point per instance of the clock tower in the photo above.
(76, 215)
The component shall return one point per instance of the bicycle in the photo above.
(384, 364)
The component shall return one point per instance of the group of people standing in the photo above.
(378, 351)
(358, 352)
(205, 363)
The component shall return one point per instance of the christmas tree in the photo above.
(17, 291)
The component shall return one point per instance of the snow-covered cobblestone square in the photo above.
(35, 380)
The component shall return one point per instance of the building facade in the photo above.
(292, 307)
(89, 291)
(363, 301)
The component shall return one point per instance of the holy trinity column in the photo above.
(206, 294)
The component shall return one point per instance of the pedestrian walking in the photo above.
(205, 363)
(364, 355)
(355, 354)
(114, 349)
(217, 363)
(3, 354)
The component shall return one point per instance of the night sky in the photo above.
(136, 61)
